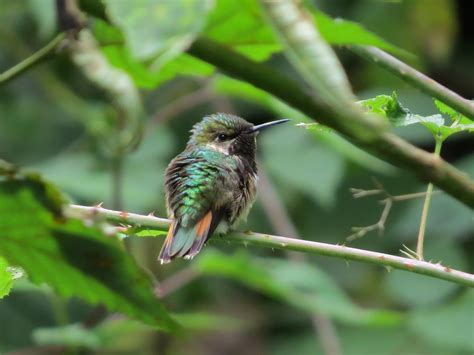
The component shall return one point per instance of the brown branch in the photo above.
(353, 124)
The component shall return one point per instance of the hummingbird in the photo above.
(211, 185)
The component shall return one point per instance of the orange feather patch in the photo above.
(203, 225)
(169, 236)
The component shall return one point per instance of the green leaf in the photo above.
(443, 108)
(299, 284)
(145, 75)
(73, 259)
(459, 121)
(6, 278)
(240, 25)
(399, 116)
(160, 41)
(338, 31)
(447, 325)
(158, 29)
(145, 232)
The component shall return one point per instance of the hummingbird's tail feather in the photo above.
(165, 256)
(202, 234)
(187, 241)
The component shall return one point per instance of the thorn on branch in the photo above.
(409, 253)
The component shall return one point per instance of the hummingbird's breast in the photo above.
(244, 190)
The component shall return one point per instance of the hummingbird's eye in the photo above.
(222, 137)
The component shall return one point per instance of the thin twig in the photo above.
(388, 204)
(416, 78)
(36, 58)
(379, 226)
(426, 207)
(270, 241)
(412, 196)
(424, 217)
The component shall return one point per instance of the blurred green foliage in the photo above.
(54, 120)
(71, 258)
(6, 278)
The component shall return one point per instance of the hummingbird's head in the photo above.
(229, 134)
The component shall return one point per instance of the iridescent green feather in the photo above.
(192, 183)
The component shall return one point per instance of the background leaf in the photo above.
(447, 324)
(238, 24)
(338, 31)
(158, 29)
(75, 260)
(299, 284)
(6, 278)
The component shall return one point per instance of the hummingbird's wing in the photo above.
(194, 182)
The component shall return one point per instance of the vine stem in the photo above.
(36, 58)
(289, 244)
(426, 207)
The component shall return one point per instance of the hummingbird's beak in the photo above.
(266, 125)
